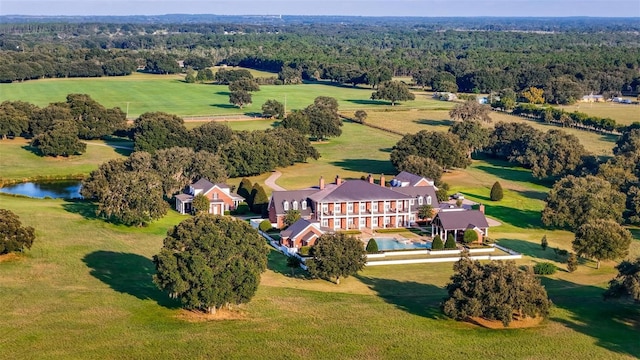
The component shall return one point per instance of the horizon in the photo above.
(360, 8)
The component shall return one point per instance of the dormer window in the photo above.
(428, 200)
(420, 200)
(295, 205)
(304, 204)
(285, 205)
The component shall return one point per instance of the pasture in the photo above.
(412, 121)
(84, 290)
(139, 93)
(91, 281)
(624, 114)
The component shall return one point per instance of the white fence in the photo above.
(512, 254)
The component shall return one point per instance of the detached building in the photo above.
(220, 197)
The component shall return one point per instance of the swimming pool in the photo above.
(386, 244)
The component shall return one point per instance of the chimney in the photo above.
(370, 179)
(382, 181)
(321, 185)
(338, 180)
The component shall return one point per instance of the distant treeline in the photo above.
(575, 62)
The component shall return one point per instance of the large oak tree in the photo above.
(210, 262)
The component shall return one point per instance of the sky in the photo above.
(596, 8)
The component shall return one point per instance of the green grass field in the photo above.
(18, 161)
(142, 93)
(84, 290)
(412, 121)
(624, 114)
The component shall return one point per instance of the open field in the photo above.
(18, 161)
(624, 114)
(412, 121)
(84, 290)
(142, 93)
(91, 281)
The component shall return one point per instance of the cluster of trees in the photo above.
(210, 262)
(551, 154)
(576, 119)
(134, 191)
(57, 128)
(13, 236)
(319, 120)
(594, 206)
(495, 291)
(243, 153)
(448, 60)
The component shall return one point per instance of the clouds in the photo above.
(622, 8)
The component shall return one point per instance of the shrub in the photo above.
(265, 225)
(372, 246)
(470, 236)
(544, 243)
(227, 212)
(496, 192)
(392, 230)
(437, 243)
(544, 268)
(349, 232)
(242, 208)
(304, 250)
(450, 243)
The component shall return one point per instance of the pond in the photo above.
(59, 189)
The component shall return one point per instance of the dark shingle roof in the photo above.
(462, 219)
(202, 184)
(416, 191)
(295, 229)
(355, 190)
(412, 179)
(279, 197)
(184, 197)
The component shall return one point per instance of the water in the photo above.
(62, 189)
(386, 244)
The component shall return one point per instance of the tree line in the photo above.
(57, 128)
(450, 60)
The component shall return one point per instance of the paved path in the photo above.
(271, 181)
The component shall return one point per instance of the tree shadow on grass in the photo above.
(415, 298)
(369, 102)
(366, 166)
(277, 262)
(433, 122)
(223, 93)
(225, 106)
(32, 150)
(614, 325)
(533, 194)
(532, 249)
(86, 208)
(128, 274)
(517, 217)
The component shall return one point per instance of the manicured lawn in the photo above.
(359, 151)
(85, 291)
(169, 93)
(18, 161)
